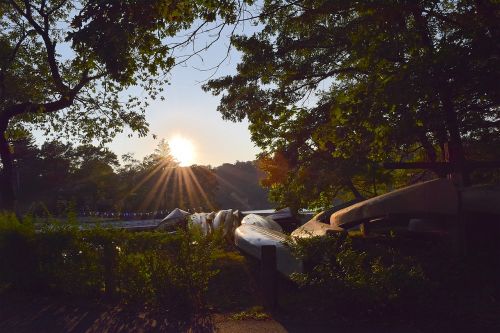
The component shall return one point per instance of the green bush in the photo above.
(18, 264)
(394, 277)
(234, 286)
(342, 276)
(170, 271)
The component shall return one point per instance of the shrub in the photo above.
(343, 278)
(235, 283)
(170, 271)
(394, 277)
(18, 263)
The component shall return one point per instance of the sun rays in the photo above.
(176, 186)
(171, 185)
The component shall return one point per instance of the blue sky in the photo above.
(190, 112)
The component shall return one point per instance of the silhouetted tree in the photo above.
(65, 66)
(332, 88)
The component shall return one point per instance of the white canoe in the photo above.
(203, 221)
(227, 220)
(260, 221)
(250, 238)
(432, 198)
(175, 218)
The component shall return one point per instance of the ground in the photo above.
(20, 312)
(25, 313)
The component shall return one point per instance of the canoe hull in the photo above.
(260, 221)
(250, 239)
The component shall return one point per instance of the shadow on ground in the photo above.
(48, 313)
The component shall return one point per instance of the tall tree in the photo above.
(94, 183)
(27, 167)
(67, 65)
(336, 86)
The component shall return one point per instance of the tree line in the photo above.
(57, 176)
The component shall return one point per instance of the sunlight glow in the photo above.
(182, 150)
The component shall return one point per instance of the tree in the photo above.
(146, 181)
(159, 183)
(27, 167)
(66, 66)
(335, 87)
(55, 174)
(94, 183)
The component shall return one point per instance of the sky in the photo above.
(191, 113)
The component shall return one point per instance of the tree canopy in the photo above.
(72, 67)
(331, 88)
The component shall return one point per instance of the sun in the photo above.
(182, 150)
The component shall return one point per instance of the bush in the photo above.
(169, 271)
(395, 279)
(18, 263)
(374, 279)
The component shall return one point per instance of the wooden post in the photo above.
(460, 177)
(365, 229)
(451, 156)
(110, 258)
(268, 277)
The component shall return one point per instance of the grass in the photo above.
(254, 313)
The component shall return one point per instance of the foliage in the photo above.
(75, 68)
(239, 187)
(169, 271)
(333, 88)
(354, 280)
(234, 287)
(56, 174)
(413, 280)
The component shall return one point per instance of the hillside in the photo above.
(239, 187)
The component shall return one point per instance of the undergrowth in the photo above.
(412, 280)
(168, 271)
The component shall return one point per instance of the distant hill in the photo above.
(239, 187)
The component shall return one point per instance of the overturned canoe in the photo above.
(203, 221)
(432, 198)
(260, 221)
(250, 238)
(175, 218)
(226, 220)
(315, 227)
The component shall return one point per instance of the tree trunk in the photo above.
(430, 151)
(445, 96)
(456, 153)
(6, 176)
(354, 190)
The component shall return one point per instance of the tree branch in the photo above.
(50, 45)
(8, 63)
